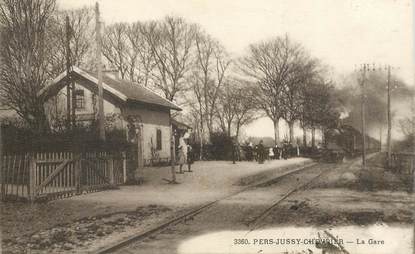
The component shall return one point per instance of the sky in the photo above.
(343, 34)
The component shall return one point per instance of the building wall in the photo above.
(148, 114)
(56, 106)
(149, 142)
(152, 119)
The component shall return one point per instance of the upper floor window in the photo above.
(79, 99)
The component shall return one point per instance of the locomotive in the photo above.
(346, 141)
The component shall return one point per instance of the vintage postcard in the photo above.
(201, 127)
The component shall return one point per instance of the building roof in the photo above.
(180, 125)
(122, 89)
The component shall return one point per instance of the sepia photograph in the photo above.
(207, 126)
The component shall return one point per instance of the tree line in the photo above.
(276, 78)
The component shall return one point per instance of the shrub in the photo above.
(17, 139)
(221, 147)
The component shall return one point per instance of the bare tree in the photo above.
(235, 107)
(79, 54)
(171, 42)
(206, 80)
(201, 78)
(198, 110)
(220, 70)
(319, 108)
(225, 109)
(115, 48)
(301, 71)
(140, 54)
(81, 30)
(25, 56)
(268, 64)
(245, 109)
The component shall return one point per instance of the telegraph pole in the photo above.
(2, 175)
(389, 145)
(363, 118)
(101, 119)
(365, 68)
(380, 138)
(68, 74)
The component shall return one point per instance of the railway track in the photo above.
(255, 223)
(252, 224)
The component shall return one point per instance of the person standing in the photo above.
(250, 152)
(182, 158)
(276, 152)
(261, 152)
(284, 151)
(190, 158)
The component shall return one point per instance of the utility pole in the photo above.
(363, 116)
(389, 147)
(68, 74)
(101, 119)
(2, 175)
(172, 154)
(233, 150)
(366, 68)
(380, 138)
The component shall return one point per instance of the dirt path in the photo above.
(377, 221)
(233, 214)
(83, 223)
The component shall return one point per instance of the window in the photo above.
(158, 139)
(79, 99)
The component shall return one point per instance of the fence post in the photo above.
(2, 171)
(77, 160)
(32, 178)
(124, 166)
(110, 162)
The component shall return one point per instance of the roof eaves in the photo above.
(51, 83)
(174, 106)
(154, 104)
(105, 86)
(176, 122)
(91, 78)
(86, 76)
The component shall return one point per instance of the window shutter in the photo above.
(158, 139)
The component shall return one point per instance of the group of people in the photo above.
(283, 152)
(260, 153)
(185, 155)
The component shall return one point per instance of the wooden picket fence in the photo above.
(52, 175)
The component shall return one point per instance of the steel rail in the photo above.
(254, 223)
(184, 217)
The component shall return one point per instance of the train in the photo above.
(347, 141)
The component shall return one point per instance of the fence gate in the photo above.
(54, 175)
